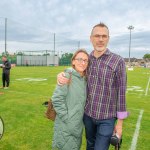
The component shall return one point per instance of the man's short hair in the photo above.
(4, 56)
(101, 24)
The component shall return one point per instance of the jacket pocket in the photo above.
(75, 123)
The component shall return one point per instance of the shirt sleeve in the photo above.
(122, 115)
(59, 102)
(121, 84)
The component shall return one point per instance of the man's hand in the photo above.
(2, 66)
(61, 79)
(118, 131)
(118, 128)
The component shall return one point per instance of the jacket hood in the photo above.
(73, 71)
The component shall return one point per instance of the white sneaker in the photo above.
(5, 88)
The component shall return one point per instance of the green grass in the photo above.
(26, 128)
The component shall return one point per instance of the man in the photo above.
(106, 88)
(6, 72)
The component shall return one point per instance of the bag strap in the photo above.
(70, 73)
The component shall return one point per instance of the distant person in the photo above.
(6, 66)
(105, 107)
(69, 102)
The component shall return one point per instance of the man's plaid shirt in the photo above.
(106, 88)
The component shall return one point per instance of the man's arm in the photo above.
(121, 103)
(2, 66)
(61, 79)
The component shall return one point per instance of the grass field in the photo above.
(23, 113)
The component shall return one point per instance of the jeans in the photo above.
(98, 132)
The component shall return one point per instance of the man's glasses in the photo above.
(97, 36)
(80, 60)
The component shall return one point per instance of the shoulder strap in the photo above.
(70, 73)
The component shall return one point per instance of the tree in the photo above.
(66, 59)
(20, 53)
(5, 54)
(146, 56)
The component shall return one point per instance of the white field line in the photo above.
(26, 93)
(147, 87)
(136, 132)
(136, 109)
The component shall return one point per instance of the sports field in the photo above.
(23, 113)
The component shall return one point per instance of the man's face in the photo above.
(4, 59)
(99, 38)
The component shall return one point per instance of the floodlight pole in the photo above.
(5, 35)
(54, 43)
(130, 28)
(78, 44)
(54, 49)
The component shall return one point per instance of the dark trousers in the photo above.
(98, 132)
(5, 79)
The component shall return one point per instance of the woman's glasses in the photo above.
(80, 60)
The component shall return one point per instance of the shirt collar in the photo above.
(107, 52)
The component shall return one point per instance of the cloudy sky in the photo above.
(31, 24)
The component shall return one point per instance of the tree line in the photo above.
(65, 59)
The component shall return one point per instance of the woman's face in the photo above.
(80, 62)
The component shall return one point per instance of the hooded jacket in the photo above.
(69, 101)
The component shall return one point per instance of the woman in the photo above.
(69, 101)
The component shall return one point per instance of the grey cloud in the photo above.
(137, 39)
(37, 21)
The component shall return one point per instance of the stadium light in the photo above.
(78, 44)
(130, 28)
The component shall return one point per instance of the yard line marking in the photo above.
(147, 87)
(26, 93)
(136, 109)
(31, 79)
(136, 133)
